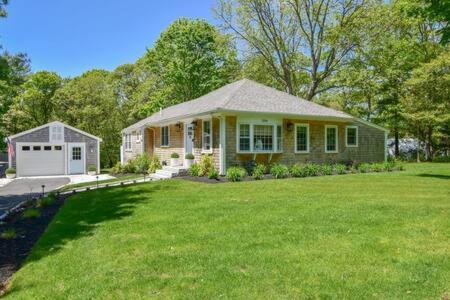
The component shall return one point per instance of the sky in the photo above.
(72, 36)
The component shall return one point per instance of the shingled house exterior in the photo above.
(245, 121)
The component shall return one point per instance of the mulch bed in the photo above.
(220, 179)
(14, 251)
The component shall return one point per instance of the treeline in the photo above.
(385, 62)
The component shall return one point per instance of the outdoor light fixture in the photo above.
(194, 124)
(178, 127)
(290, 126)
(43, 190)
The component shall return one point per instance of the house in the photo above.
(54, 149)
(245, 121)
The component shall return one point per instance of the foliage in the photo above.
(8, 234)
(236, 173)
(194, 170)
(46, 201)
(155, 164)
(189, 156)
(174, 155)
(326, 170)
(311, 169)
(377, 167)
(141, 164)
(340, 169)
(205, 165)
(279, 171)
(92, 168)
(117, 169)
(364, 168)
(129, 167)
(441, 159)
(31, 213)
(10, 171)
(213, 174)
(258, 171)
(297, 170)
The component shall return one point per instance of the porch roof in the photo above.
(242, 96)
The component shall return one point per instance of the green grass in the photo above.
(92, 183)
(376, 236)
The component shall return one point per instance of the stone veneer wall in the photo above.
(371, 145)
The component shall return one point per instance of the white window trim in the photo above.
(168, 136)
(357, 136)
(51, 139)
(138, 137)
(337, 138)
(203, 136)
(127, 136)
(306, 125)
(252, 124)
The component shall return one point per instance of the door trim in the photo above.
(69, 151)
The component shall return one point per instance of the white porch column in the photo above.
(222, 137)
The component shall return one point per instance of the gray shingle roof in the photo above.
(242, 96)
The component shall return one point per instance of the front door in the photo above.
(189, 138)
(76, 159)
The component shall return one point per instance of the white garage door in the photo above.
(40, 159)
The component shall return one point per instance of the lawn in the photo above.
(93, 183)
(379, 235)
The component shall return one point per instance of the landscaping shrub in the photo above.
(129, 166)
(194, 169)
(364, 168)
(205, 165)
(46, 201)
(154, 165)
(213, 174)
(340, 169)
(117, 169)
(326, 170)
(258, 171)
(389, 166)
(9, 234)
(10, 171)
(236, 173)
(377, 167)
(441, 159)
(141, 164)
(249, 166)
(297, 171)
(92, 168)
(311, 169)
(189, 156)
(279, 171)
(31, 213)
(174, 155)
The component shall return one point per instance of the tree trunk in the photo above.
(396, 143)
(429, 144)
(418, 144)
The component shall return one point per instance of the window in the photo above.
(331, 139)
(138, 137)
(36, 148)
(76, 153)
(207, 136)
(25, 148)
(279, 138)
(127, 141)
(47, 148)
(244, 137)
(302, 138)
(165, 136)
(57, 133)
(58, 148)
(351, 136)
(263, 137)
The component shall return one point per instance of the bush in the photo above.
(258, 171)
(141, 164)
(249, 166)
(154, 165)
(9, 234)
(205, 165)
(174, 155)
(311, 170)
(92, 168)
(340, 169)
(31, 213)
(129, 167)
(377, 167)
(10, 171)
(364, 168)
(297, 171)
(279, 171)
(389, 166)
(441, 159)
(189, 156)
(326, 170)
(46, 201)
(213, 174)
(117, 169)
(236, 174)
(194, 170)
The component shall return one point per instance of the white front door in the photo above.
(76, 158)
(189, 137)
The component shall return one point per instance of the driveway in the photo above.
(25, 188)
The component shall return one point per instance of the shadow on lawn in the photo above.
(84, 212)
(439, 176)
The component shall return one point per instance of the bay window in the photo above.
(331, 139)
(259, 137)
(207, 136)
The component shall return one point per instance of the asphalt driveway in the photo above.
(25, 188)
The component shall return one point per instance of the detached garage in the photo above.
(54, 149)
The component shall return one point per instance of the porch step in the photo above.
(178, 170)
(167, 173)
(156, 176)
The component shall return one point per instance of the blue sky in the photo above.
(72, 36)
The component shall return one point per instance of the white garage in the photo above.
(53, 149)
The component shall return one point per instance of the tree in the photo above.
(315, 37)
(88, 103)
(191, 58)
(427, 102)
(3, 12)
